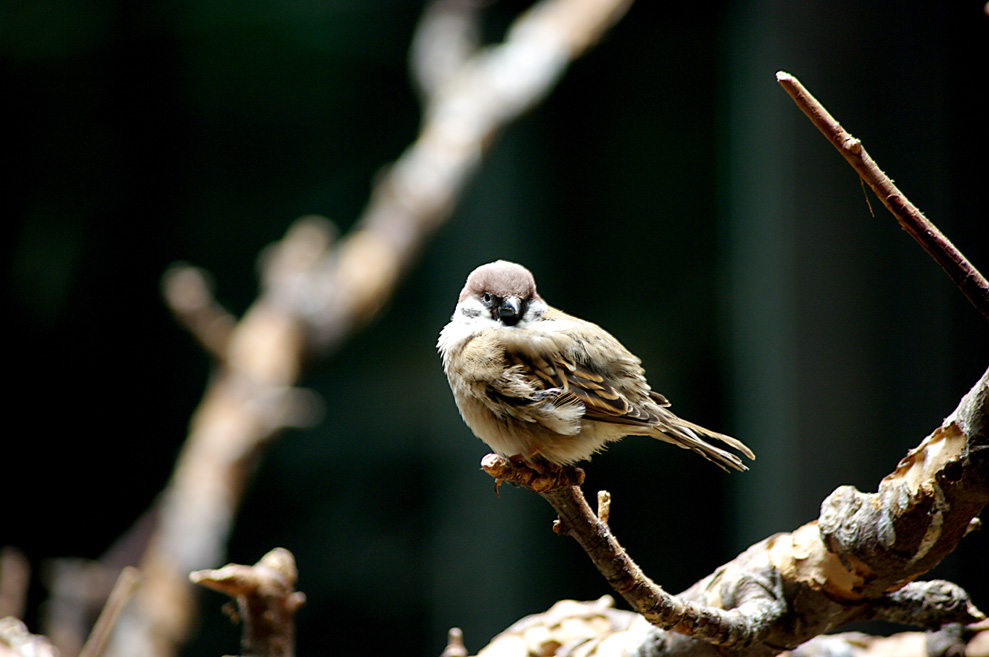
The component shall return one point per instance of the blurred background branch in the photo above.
(317, 291)
(666, 185)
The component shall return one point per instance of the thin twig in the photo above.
(187, 290)
(15, 576)
(454, 644)
(721, 627)
(122, 590)
(604, 506)
(858, 561)
(968, 279)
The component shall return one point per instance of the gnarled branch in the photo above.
(318, 290)
(857, 561)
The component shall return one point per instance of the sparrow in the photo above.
(539, 385)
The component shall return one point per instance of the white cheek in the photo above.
(464, 326)
(535, 311)
(470, 310)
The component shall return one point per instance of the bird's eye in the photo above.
(486, 298)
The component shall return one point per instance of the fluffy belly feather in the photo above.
(510, 437)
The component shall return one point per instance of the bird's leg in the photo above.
(536, 462)
(530, 461)
(544, 473)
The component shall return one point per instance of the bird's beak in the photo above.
(510, 310)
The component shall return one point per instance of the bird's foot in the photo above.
(539, 477)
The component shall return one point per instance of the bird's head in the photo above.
(503, 291)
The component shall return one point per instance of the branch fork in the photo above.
(577, 520)
(857, 561)
(266, 600)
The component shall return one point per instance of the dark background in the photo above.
(668, 190)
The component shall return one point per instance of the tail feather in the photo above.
(691, 436)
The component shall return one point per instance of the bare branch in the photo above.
(448, 34)
(570, 627)
(929, 604)
(722, 627)
(16, 641)
(122, 591)
(15, 576)
(266, 601)
(188, 292)
(968, 279)
(418, 191)
(317, 291)
(77, 590)
(858, 561)
(454, 644)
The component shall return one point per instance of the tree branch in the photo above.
(856, 562)
(317, 291)
(859, 559)
(16, 641)
(122, 590)
(968, 279)
(266, 601)
(575, 519)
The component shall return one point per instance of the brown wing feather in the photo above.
(560, 372)
(602, 402)
(517, 393)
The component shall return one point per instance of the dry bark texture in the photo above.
(587, 629)
(266, 601)
(858, 561)
(16, 641)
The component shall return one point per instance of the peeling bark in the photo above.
(857, 561)
(266, 601)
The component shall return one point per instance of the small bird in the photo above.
(539, 385)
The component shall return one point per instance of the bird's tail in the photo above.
(691, 436)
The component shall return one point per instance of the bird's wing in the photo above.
(578, 383)
(561, 368)
(520, 393)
